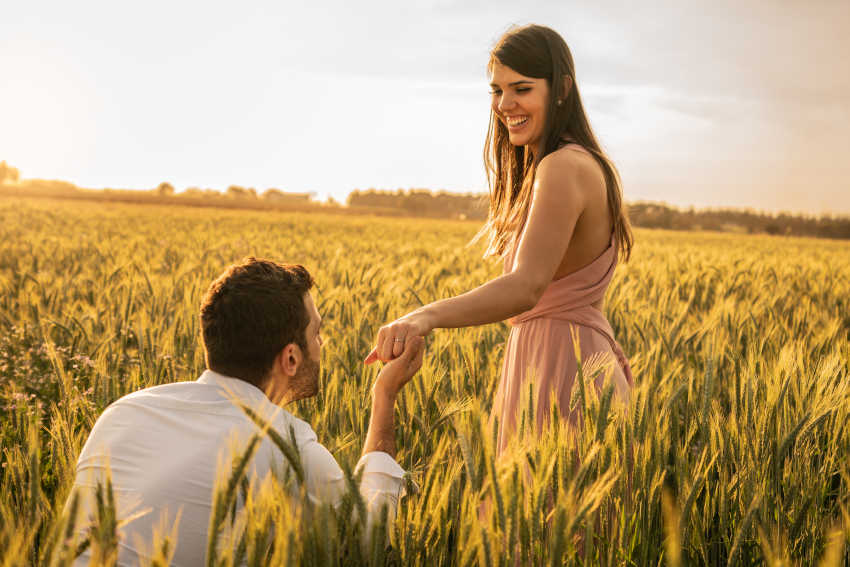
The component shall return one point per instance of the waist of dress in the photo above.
(581, 315)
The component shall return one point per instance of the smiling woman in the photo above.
(520, 104)
(525, 65)
(556, 218)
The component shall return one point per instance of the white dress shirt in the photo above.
(164, 444)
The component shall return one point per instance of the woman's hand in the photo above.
(392, 337)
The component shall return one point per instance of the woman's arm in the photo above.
(557, 203)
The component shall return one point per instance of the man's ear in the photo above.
(289, 360)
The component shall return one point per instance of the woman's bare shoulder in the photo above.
(571, 166)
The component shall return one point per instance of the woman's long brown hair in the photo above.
(540, 52)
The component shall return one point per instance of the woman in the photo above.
(556, 218)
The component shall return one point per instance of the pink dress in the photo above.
(540, 345)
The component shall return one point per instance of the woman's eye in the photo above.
(523, 89)
(495, 92)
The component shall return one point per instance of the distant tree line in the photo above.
(659, 215)
(426, 203)
(234, 197)
(422, 202)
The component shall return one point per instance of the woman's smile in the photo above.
(519, 102)
(515, 123)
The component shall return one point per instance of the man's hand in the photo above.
(394, 375)
(394, 337)
(398, 372)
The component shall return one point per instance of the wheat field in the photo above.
(734, 449)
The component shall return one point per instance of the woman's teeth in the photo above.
(516, 121)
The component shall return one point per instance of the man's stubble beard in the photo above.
(306, 381)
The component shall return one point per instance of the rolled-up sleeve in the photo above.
(381, 483)
(381, 486)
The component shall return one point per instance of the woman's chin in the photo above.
(521, 141)
(523, 138)
(518, 140)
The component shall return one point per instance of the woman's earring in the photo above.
(559, 102)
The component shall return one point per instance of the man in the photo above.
(164, 445)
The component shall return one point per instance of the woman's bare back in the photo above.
(592, 233)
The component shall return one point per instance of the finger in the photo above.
(371, 357)
(413, 347)
(385, 345)
(379, 343)
(398, 345)
(417, 362)
(414, 355)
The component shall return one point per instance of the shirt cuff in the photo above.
(379, 462)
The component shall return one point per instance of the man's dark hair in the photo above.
(250, 312)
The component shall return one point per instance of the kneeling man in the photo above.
(163, 445)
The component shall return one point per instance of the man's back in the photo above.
(164, 446)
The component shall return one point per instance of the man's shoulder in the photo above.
(204, 398)
(288, 425)
(174, 391)
(164, 389)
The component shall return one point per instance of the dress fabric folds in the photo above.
(540, 346)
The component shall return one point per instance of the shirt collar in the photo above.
(240, 389)
(256, 399)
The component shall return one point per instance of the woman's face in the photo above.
(519, 102)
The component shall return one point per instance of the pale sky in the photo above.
(724, 103)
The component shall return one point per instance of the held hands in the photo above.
(398, 372)
(393, 338)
